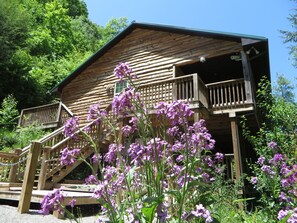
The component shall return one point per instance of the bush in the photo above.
(9, 113)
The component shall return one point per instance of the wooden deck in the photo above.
(12, 192)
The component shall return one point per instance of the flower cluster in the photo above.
(277, 173)
(123, 70)
(177, 112)
(71, 126)
(52, 202)
(125, 102)
(95, 113)
(68, 157)
(202, 212)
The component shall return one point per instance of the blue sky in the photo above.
(255, 17)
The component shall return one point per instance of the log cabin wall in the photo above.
(150, 53)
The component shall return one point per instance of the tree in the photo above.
(14, 60)
(284, 89)
(291, 36)
(42, 41)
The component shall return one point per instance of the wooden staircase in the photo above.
(50, 171)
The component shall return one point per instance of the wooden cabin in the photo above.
(216, 72)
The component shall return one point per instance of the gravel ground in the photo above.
(9, 214)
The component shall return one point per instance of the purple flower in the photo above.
(202, 212)
(96, 113)
(293, 218)
(127, 130)
(133, 121)
(272, 145)
(219, 157)
(95, 158)
(52, 202)
(71, 126)
(177, 112)
(254, 180)
(200, 137)
(72, 203)
(124, 102)
(267, 169)
(180, 158)
(205, 177)
(282, 214)
(261, 160)
(111, 155)
(173, 131)
(123, 70)
(208, 161)
(68, 157)
(136, 152)
(277, 158)
(91, 180)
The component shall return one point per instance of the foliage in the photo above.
(8, 138)
(275, 172)
(9, 112)
(284, 89)
(27, 134)
(291, 36)
(42, 41)
(11, 139)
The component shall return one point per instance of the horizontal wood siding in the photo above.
(151, 54)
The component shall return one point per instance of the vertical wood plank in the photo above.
(236, 147)
(14, 169)
(27, 188)
(44, 166)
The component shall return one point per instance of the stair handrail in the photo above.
(108, 108)
(63, 141)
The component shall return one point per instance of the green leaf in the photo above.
(130, 175)
(150, 205)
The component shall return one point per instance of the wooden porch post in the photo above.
(14, 169)
(44, 165)
(247, 74)
(27, 188)
(236, 146)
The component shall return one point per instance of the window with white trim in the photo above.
(120, 86)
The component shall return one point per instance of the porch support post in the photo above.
(196, 115)
(27, 188)
(247, 75)
(236, 146)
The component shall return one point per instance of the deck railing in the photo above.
(227, 94)
(189, 88)
(46, 116)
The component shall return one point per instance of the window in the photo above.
(120, 86)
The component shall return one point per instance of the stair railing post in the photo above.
(28, 183)
(14, 169)
(43, 169)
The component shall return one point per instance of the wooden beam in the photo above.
(247, 74)
(27, 188)
(236, 147)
